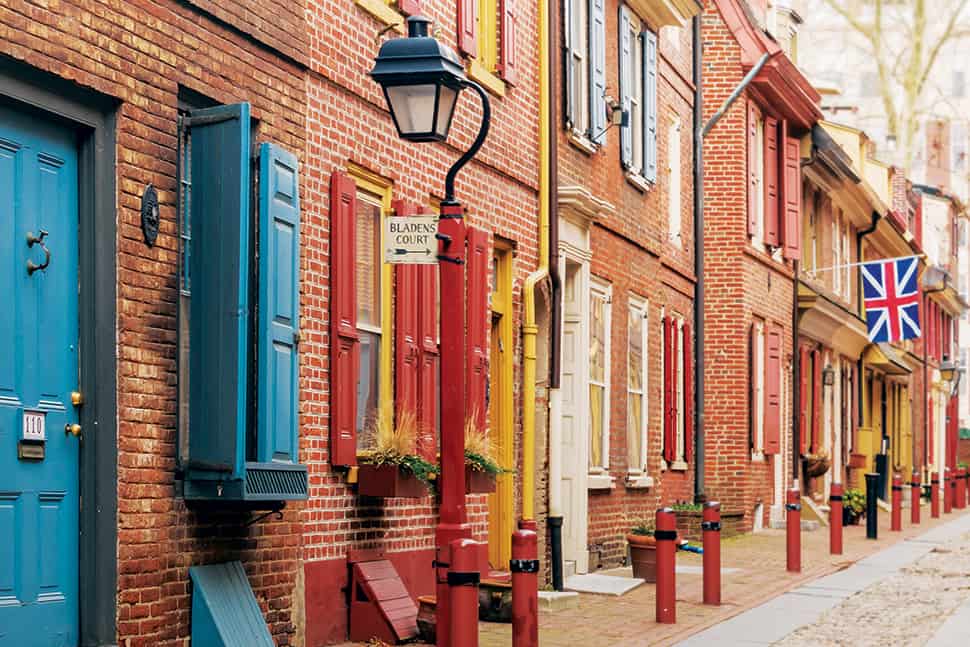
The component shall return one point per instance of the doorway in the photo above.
(500, 407)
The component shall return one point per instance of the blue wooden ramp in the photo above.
(224, 610)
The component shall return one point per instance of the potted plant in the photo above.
(643, 552)
(393, 468)
(481, 466)
(816, 464)
(853, 506)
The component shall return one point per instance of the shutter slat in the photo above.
(468, 27)
(279, 305)
(688, 393)
(219, 327)
(406, 351)
(773, 162)
(752, 159)
(508, 59)
(626, 87)
(476, 364)
(344, 339)
(792, 199)
(772, 381)
(597, 53)
(428, 372)
(650, 109)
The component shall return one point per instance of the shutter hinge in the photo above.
(205, 120)
(296, 337)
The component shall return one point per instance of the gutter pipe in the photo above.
(699, 454)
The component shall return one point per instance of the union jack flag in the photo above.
(891, 293)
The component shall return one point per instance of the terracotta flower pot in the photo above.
(643, 556)
(389, 481)
(426, 618)
(478, 481)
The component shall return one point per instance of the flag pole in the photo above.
(878, 260)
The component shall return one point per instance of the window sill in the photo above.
(600, 482)
(383, 12)
(487, 79)
(639, 182)
(758, 457)
(638, 481)
(677, 466)
(582, 142)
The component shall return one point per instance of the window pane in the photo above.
(368, 388)
(634, 425)
(635, 372)
(596, 394)
(597, 339)
(368, 265)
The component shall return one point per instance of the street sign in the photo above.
(411, 240)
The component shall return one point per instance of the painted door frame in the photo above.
(93, 117)
(501, 502)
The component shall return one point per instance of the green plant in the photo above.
(854, 500)
(395, 445)
(643, 529)
(961, 465)
(683, 506)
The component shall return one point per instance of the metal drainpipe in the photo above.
(555, 517)
(699, 456)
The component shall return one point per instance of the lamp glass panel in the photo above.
(447, 98)
(413, 107)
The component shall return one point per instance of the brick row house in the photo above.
(621, 435)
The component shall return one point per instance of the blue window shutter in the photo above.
(219, 266)
(597, 58)
(279, 306)
(626, 87)
(650, 109)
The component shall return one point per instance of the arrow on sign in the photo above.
(405, 252)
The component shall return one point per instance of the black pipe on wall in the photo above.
(699, 455)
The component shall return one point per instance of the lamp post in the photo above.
(421, 79)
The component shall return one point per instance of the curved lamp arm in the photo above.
(476, 145)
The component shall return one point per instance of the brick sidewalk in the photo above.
(628, 621)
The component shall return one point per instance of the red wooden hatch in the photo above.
(380, 605)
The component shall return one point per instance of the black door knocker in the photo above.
(31, 239)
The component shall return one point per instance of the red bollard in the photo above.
(835, 519)
(917, 496)
(935, 495)
(948, 491)
(665, 532)
(793, 525)
(966, 487)
(524, 567)
(961, 481)
(896, 520)
(711, 534)
(463, 579)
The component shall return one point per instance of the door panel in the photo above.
(38, 372)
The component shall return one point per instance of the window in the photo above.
(585, 76)
(599, 376)
(677, 397)
(638, 96)
(759, 182)
(488, 32)
(636, 385)
(674, 206)
(837, 250)
(758, 386)
(765, 397)
(846, 259)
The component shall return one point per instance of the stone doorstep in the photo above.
(602, 584)
(807, 525)
(558, 600)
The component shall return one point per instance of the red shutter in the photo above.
(773, 343)
(468, 27)
(752, 169)
(476, 362)
(670, 419)
(688, 393)
(406, 353)
(409, 7)
(428, 371)
(752, 384)
(344, 340)
(773, 160)
(792, 198)
(508, 58)
(803, 404)
(816, 401)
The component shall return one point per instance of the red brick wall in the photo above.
(748, 284)
(631, 251)
(140, 52)
(347, 123)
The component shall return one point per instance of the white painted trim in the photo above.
(639, 306)
(600, 289)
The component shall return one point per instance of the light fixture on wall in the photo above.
(828, 376)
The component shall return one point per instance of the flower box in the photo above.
(478, 481)
(389, 481)
(857, 461)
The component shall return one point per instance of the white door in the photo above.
(575, 394)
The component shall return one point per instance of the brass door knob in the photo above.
(73, 429)
(76, 398)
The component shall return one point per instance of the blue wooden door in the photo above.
(38, 372)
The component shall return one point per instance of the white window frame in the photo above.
(599, 475)
(759, 194)
(637, 476)
(758, 389)
(579, 12)
(675, 182)
(637, 102)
